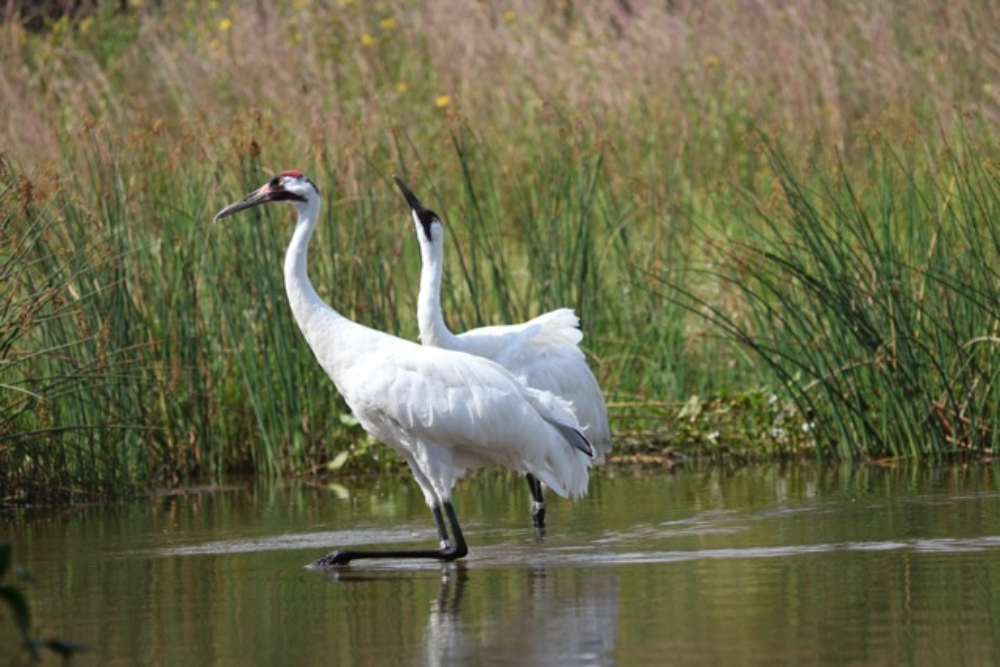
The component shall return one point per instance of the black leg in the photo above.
(460, 549)
(447, 552)
(442, 529)
(537, 502)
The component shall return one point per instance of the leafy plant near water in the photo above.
(873, 296)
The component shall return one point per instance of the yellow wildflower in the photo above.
(442, 101)
(368, 40)
(401, 87)
(509, 16)
(226, 24)
(387, 24)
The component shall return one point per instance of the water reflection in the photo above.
(552, 622)
(544, 617)
(764, 566)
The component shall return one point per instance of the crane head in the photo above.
(426, 220)
(290, 186)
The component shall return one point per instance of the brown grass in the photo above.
(663, 80)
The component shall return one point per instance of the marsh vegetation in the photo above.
(776, 223)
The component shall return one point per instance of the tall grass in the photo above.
(580, 154)
(212, 374)
(873, 296)
(675, 84)
(72, 391)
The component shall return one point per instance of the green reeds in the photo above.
(556, 232)
(579, 159)
(201, 363)
(71, 405)
(872, 295)
(160, 345)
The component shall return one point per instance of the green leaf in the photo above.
(18, 606)
(692, 408)
(338, 461)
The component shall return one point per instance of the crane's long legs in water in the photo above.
(537, 502)
(448, 551)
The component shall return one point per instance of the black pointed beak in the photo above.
(261, 195)
(411, 198)
(269, 192)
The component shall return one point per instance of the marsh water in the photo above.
(748, 566)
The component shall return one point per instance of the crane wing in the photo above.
(435, 404)
(544, 353)
(513, 345)
(454, 396)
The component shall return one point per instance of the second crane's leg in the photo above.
(448, 551)
(537, 502)
(459, 549)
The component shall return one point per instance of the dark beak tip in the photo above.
(403, 187)
(411, 198)
(225, 213)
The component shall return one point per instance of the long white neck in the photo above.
(433, 330)
(326, 330)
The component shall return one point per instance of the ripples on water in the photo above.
(758, 566)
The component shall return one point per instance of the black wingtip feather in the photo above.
(575, 438)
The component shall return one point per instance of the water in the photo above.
(750, 566)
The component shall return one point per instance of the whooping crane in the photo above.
(444, 412)
(543, 352)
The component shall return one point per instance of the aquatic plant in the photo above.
(873, 297)
(583, 156)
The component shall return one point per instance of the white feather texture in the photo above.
(445, 412)
(543, 353)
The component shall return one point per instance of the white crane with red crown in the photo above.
(444, 412)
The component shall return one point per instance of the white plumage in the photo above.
(543, 353)
(449, 412)
(445, 412)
